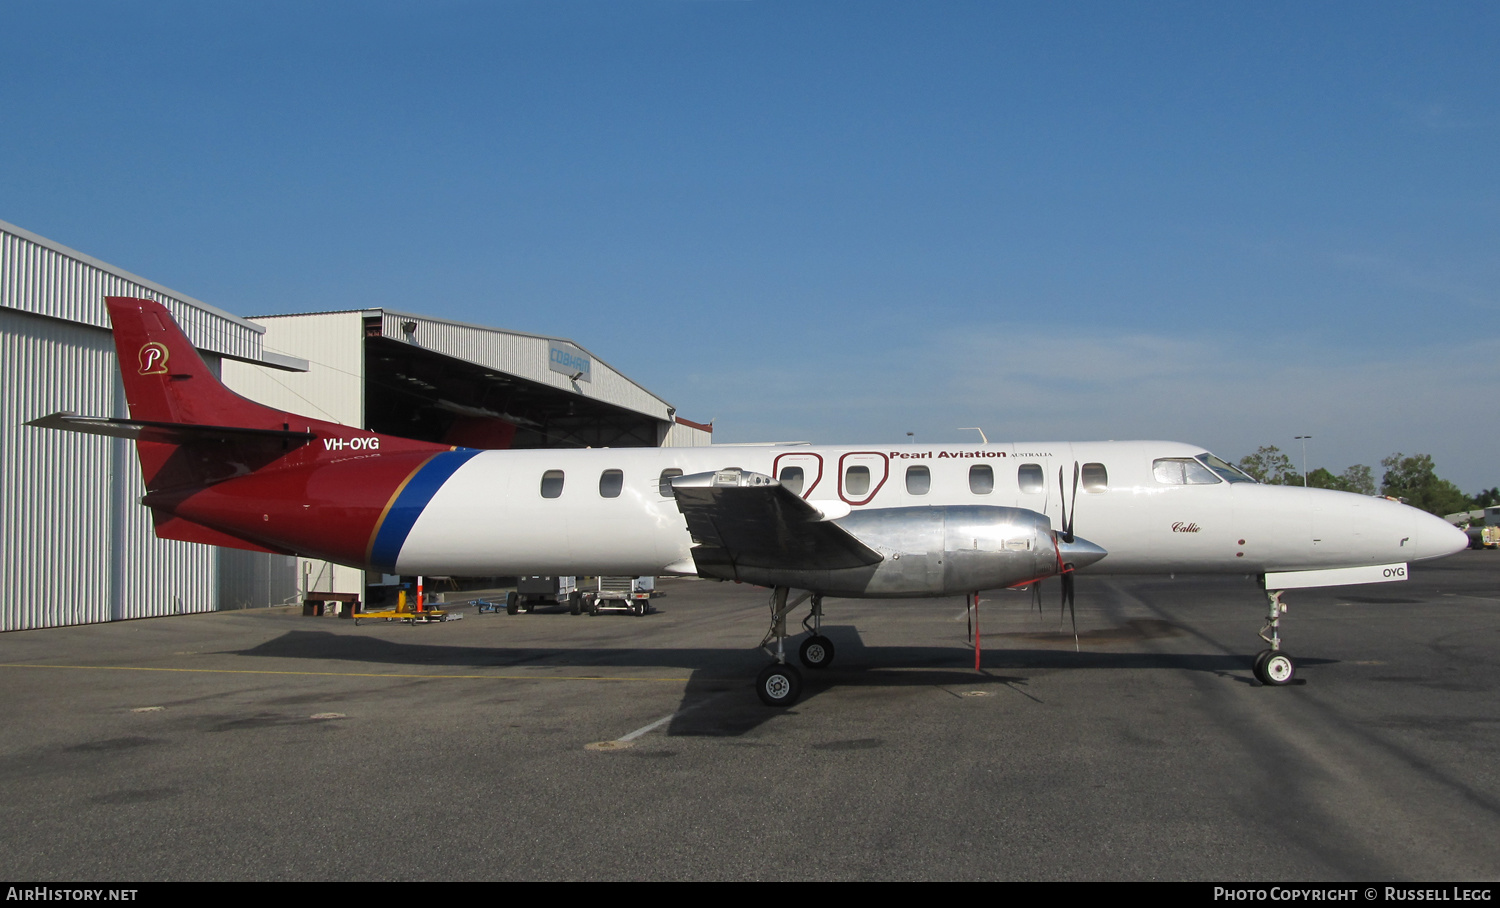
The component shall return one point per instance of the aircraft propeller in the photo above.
(1065, 569)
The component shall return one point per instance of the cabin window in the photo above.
(791, 478)
(981, 479)
(552, 483)
(1029, 475)
(664, 486)
(1182, 471)
(610, 483)
(857, 480)
(1095, 477)
(918, 480)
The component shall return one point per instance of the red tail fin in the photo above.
(165, 378)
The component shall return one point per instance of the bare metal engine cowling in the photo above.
(931, 551)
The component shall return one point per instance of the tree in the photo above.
(1358, 478)
(1487, 498)
(1414, 479)
(1271, 466)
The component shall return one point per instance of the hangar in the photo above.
(76, 546)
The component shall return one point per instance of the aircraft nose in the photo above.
(1437, 538)
(1080, 552)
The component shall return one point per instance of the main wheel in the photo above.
(816, 652)
(1278, 669)
(778, 685)
(512, 603)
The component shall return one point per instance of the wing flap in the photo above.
(739, 518)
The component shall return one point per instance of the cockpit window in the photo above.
(1223, 470)
(1179, 471)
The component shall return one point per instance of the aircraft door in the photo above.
(861, 474)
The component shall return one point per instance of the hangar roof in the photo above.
(517, 353)
(46, 278)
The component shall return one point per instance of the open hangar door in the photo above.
(420, 393)
(427, 395)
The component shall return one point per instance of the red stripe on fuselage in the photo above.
(327, 509)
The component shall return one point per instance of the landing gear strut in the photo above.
(1274, 667)
(779, 684)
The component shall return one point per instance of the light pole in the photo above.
(1303, 439)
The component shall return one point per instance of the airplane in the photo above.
(830, 521)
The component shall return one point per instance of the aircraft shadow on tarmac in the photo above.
(724, 675)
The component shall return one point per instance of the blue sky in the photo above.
(1217, 223)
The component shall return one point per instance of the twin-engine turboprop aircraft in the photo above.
(896, 521)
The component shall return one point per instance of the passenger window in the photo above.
(610, 483)
(918, 480)
(1095, 477)
(981, 479)
(1030, 477)
(664, 485)
(552, 483)
(857, 480)
(791, 478)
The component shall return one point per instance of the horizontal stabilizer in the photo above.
(165, 432)
(740, 518)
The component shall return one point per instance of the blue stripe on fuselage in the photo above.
(408, 506)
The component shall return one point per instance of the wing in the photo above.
(743, 519)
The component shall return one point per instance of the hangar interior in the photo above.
(429, 395)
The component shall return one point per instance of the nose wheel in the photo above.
(1274, 667)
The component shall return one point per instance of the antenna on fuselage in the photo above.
(976, 429)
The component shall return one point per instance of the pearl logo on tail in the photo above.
(153, 359)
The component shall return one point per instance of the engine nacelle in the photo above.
(932, 551)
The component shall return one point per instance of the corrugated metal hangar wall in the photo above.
(76, 546)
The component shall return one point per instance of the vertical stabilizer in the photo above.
(165, 378)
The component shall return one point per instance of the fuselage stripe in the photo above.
(408, 502)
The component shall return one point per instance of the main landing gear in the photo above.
(780, 684)
(1274, 667)
(817, 650)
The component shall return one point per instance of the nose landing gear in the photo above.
(1274, 667)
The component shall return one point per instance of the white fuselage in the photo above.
(491, 516)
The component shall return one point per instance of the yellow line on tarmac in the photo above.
(251, 671)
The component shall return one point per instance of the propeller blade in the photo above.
(976, 631)
(1067, 583)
